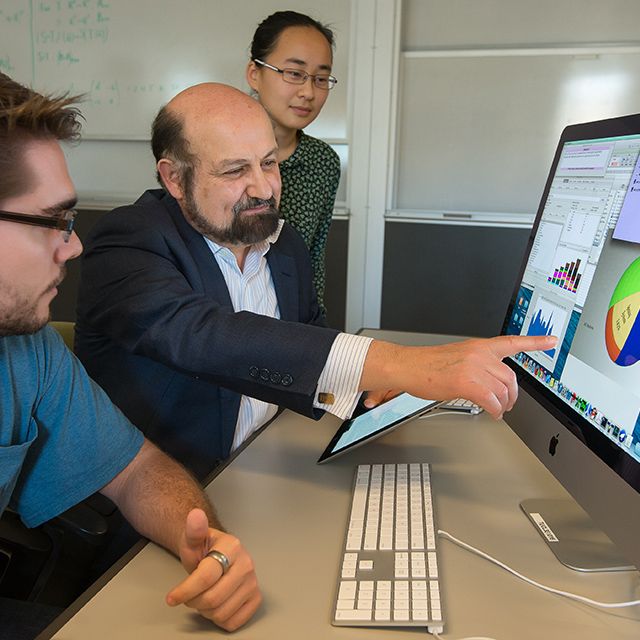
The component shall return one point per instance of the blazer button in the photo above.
(254, 371)
(276, 378)
(286, 379)
(265, 374)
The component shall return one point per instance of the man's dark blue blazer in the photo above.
(156, 329)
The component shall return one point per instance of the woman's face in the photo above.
(293, 106)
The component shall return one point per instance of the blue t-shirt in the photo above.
(61, 438)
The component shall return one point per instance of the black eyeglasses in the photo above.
(64, 222)
(296, 76)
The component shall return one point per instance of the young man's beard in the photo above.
(19, 314)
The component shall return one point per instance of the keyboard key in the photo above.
(433, 564)
(359, 502)
(386, 543)
(370, 542)
(348, 589)
(354, 615)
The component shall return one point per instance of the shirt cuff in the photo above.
(337, 390)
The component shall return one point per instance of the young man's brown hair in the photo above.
(26, 115)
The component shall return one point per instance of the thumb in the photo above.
(194, 539)
(378, 397)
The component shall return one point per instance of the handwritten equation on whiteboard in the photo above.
(132, 56)
(117, 57)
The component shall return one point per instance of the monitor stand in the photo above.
(574, 538)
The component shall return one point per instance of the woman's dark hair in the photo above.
(265, 39)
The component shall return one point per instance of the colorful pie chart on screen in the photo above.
(622, 329)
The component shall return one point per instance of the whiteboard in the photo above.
(131, 57)
(477, 132)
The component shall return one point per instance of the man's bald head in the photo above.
(217, 155)
(190, 122)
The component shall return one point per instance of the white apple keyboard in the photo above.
(389, 573)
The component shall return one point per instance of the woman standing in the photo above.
(290, 70)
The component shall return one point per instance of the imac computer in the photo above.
(579, 403)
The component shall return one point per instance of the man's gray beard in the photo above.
(243, 230)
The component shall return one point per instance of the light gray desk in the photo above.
(290, 514)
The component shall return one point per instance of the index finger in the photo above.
(203, 577)
(510, 345)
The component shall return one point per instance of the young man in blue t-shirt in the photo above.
(61, 439)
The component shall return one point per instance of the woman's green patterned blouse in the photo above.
(310, 179)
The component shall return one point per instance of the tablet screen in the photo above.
(376, 422)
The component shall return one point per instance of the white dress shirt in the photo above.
(252, 290)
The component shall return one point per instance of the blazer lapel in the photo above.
(285, 281)
(213, 282)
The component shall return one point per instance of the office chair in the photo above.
(51, 564)
(66, 330)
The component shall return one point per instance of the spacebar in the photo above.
(353, 614)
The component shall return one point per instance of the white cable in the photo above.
(573, 596)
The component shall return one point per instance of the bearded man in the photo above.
(184, 293)
(197, 313)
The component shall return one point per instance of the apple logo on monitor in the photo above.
(553, 444)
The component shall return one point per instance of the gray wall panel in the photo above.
(449, 279)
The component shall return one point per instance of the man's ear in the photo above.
(252, 75)
(171, 178)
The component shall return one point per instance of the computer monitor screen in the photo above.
(579, 406)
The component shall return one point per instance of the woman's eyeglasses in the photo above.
(296, 76)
